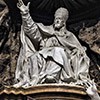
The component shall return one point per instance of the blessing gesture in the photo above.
(23, 8)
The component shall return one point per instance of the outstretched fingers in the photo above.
(20, 3)
(90, 85)
(87, 84)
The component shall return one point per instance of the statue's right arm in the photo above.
(29, 26)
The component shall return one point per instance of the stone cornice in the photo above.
(45, 88)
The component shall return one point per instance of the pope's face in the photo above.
(58, 23)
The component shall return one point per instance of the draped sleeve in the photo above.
(30, 27)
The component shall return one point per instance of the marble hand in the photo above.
(23, 8)
(91, 90)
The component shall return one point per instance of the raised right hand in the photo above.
(23, 8)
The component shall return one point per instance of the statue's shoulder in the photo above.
(68, 33)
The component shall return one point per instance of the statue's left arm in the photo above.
(74, 41)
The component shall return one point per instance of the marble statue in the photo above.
(49, 54)
(91, 90)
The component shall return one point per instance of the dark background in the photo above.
(43, 10)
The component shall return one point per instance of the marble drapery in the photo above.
(46, 52)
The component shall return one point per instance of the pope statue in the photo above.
(49, 54)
